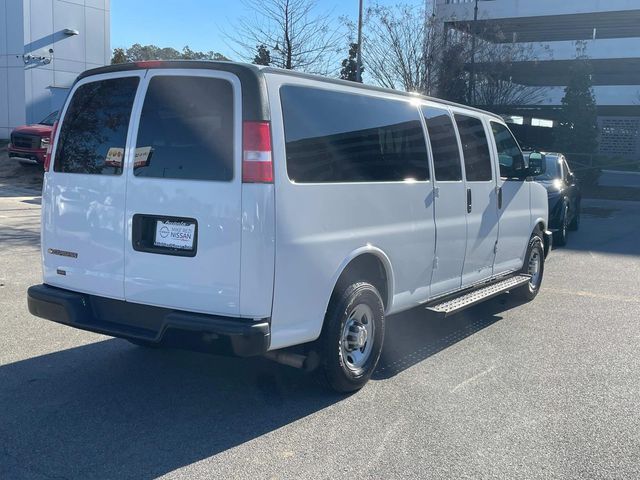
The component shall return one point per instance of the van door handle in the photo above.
(468, 200)
(499, 198)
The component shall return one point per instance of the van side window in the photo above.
(186, 129)
(94, 130)
(509, 154)
(475, 149)
(444, 145)
(341, 137)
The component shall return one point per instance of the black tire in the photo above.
(529, 291)
(336, 371)
(575, 221)
(560, 237)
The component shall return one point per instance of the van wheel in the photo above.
(352, 337)
(534, 266)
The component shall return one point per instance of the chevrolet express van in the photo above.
(240, 209)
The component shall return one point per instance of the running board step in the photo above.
(467, 300)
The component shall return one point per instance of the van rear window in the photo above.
(94, 131)
(341, 137)
(186, 129)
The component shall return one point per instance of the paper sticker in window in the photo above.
(114, 157)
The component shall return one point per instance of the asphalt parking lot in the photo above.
(549, 389)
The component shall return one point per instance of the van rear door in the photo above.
(83, 224)
(183, 198)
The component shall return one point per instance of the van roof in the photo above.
(253, 82)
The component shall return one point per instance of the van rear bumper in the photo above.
(155, 325)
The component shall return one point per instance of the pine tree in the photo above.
(350, 65)
(119, 56)
(578, 126)
(263, 57)
(137, 53)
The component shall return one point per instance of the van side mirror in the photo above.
(537, 164)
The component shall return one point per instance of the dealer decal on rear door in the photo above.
(175, 234)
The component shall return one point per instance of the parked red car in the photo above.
(29, 142)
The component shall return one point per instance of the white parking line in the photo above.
(472, 379)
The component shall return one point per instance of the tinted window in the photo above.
(444, 144)
(94, 131)
(475, 149)
(509, 154)
(186, 129)
(340, 137)
(552, 170)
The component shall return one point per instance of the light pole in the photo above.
(472, 72)
(359, 53)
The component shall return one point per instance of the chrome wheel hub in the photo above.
(357, 337)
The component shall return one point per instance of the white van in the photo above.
(232, 208)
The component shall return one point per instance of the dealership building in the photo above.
(44, 45)
(609, 33)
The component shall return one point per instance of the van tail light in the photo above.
(257, 164)
(47, 155)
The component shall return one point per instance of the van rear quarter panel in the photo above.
(319, 227)
(257, 250)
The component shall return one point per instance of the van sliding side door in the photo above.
(449, 203)
(480, 200)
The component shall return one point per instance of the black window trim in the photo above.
(133, 119)
(494, 177)
(361, 93)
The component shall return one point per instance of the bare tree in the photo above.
(400, 48)
(495, 64)
(298, 38)
(495, 85)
